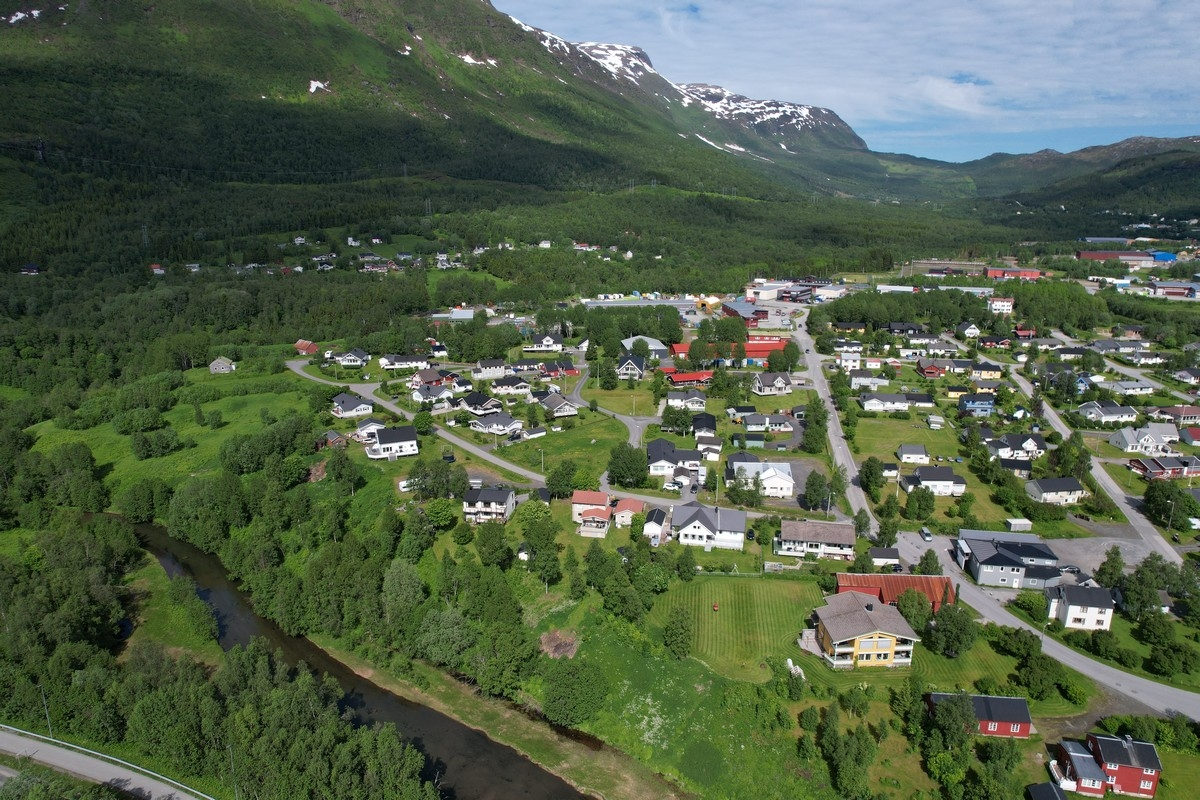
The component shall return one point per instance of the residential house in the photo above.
(705, 424)
(544, 343)
(1134, 388)
(1191, 436)
(664, 458)
(631, 367)
(1087, 608)
(1143, 440)
(815, 538)
(1182, 416)
(490, 369)
(692, 400)
(848, 346)
(884, 556)
(1189, 376)
(967, 330)
(557, 406)
(1007, 717)
(393, 362)
(1110, 347)
(657, 348)
(1056, 491)
(558, 369)
(656, 528)
(480, 404)
(221, 366)
(393, 443)
(987, 387)
(774, 478)
(704, 526)
(912, 454)
(331, 439)
(1001, 306)
(1146, 358)
(880, 401)
(351, 405)
(955, 392)
(1166, 467)
(488, 505)
(432, 394)
(856, 630)
(625, 509)
(352, 359)
(432, 377)
(499, 424)
(904, 328)
(981, 371)
(710, 447)
(1106, 412)
(930, 368)
(1010, 560)
(865, 379)
(993, 342)
(593, 522)
(938, 589)
(738, 413)
(771, 383)
(511, 385)
(848, 362)
(920, 399)
(977, 405)
(583, 500)
(940, 480)
(702, 377)
(1103, 763)
(1025, 446)
(367, 429)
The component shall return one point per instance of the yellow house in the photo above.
(857, 630)
(986, 372)
(955, 392)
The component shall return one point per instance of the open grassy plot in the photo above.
(758, 617)
(1126, 479)
(1180, 776)
(588, 444)
(881, 437)
(12, 393)
(635, 402)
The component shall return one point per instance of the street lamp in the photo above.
(1171, 518)
(543, 456)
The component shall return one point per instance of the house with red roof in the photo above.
(625, 509)
(701, 377)
(938, 589)
(581, 501)
(305, 347)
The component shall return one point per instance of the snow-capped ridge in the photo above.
(724, 104)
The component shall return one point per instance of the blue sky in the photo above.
(947, 79)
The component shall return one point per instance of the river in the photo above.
(466, 764)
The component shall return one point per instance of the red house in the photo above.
(746, 312)
(305, 347)
(1020, 273)
(700, 378)
(928, 369)
(998, 716)
(1110, 762)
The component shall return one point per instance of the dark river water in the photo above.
(467, 764)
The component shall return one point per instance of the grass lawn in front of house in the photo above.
(588, 444)
(1127, 480)
(882, 436)
(635, 402)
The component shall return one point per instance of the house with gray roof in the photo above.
(1010, 560)
(807, 537)
(1056, 491)
(708, 527)
(1085, 608)
(488, 505)
(855, 629)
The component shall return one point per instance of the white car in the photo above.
(405, 485)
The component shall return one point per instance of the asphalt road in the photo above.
(988, 602)
(90, 768)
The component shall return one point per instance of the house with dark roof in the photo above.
(912, 454)
(351, 405)
(708, 527)
(545, 343)
(1085, 608)
(997, 716)
(393, 443)
(1011, 560)
(490, 369)
(856, 630)
(352, 359)
(1106, 412)
(942, 481)
(488, 505)
(1102, 763)
(480, 404)
(1166, 467)
(664, 458)
(815, 538)
(656, 528)
(771, 383)
(977, 405)
(1056, 491)
(629, 366)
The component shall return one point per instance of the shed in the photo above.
(1018, 524)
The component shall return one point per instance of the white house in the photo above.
(692, 400)
(1106, 412)
(511, 385)
(367, 429)
(885, 402)
(912, 454)
(819, 539)
(1056, 491)
(702, 526)
(582, 500)
(392, 443)
(631, 367)
(487, 505)
(1135, 388)
(849, 361)
(392, 361)
(490, 369)
(500, 424)
(545, 343)
(664, 458)
(656, 528)
(1000, 305)
(771, 383)
(1081, 607)
(432, 394)
(351, 405)
(1141, 440)
(774, 478)
(352, 359)
(557, 406)
(940, 480)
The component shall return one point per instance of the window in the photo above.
(992, 726)
(864, 656)
(1014, 728)
(1083, 609)
(1077, 621)
(1147, 784)
(1148, 771)
(882, 656)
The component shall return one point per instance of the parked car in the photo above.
(406, 485)
(672, 486)
(926, 535)
(897, 568)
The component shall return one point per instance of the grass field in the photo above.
(12, 393)
(881, 437)
(588, 444)
(757, 617)
(635, 402)
(164, 622)
(1126, 479)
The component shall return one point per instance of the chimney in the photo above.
(1128, 741)
(870, 606)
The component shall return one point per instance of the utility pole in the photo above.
(46, 708)
(232, 774)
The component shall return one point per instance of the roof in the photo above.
(888, 588)
(586, 498)
(912, 450)
(807, 530)
(1004, 548)
(713, 519)
(1083, 762)
(631, 505)
(854, 614)
(884, 552)
(404, 433)
(501, 496)
(993, 709)
(1083, 596)
(1044, 791)
(1126, 751)
(934, 474)
(1046, 485)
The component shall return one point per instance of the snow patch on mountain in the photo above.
(629, 63)
(548, 40)
(724, 104)
(470, 59)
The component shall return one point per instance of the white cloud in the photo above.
(994, 67)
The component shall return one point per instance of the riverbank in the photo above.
(604, 772)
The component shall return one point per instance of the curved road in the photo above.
(81, 765)
(635, 425)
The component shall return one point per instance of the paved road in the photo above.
(988, 602)
(90, 768)
(1127, 371)
(367, 390)
(635, 425)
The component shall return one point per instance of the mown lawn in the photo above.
(635, 402)
(882, 436)
(588, 444)
(757, 617)
(1128, 482)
